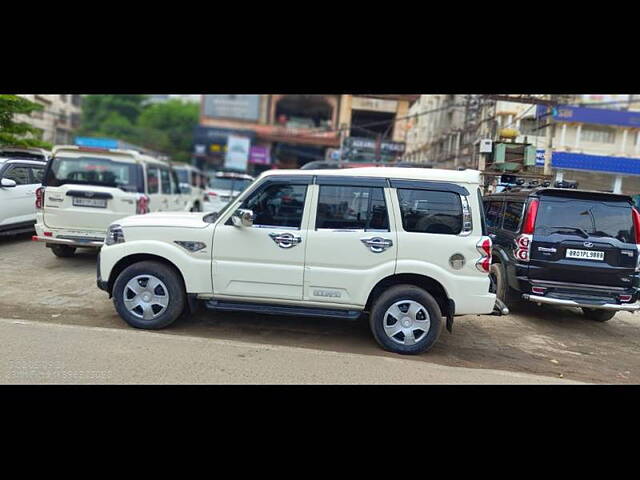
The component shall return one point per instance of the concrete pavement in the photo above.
(34, 352)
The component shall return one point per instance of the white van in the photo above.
(86, 189)
(192, 184)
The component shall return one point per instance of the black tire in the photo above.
(63, 251)
(504, 292)
(168, 276)
(396, 294)
(196, 207)
(598, 314)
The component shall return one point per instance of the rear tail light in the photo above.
(484, 248)
(538, 290)
(39, 198)
(530, 218)
(523, 247)
(142, 205)
(636, 229)
(212, 194)
(625, 298)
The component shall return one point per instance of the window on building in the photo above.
(63, 98)
(352, 208)
(76, 100)
(597, 134)
(512, 215)
(427, 211)
(61, 136)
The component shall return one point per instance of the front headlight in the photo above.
(114, 235)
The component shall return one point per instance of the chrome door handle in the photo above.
(285, 240)
(377, 244)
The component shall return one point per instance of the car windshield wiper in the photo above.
(577, 229)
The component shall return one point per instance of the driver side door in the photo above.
(266, 260)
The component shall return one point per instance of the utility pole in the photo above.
(549, 143)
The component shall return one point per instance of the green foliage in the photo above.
(164, 127)
(19, 133)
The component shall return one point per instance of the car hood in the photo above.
(166, 219)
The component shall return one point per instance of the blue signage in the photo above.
(540, 157)
(598, 116)
(96, 142)
(598, 163)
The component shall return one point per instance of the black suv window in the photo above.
(494, 213)
(598, 219)
(428, 211)
(512, 216)
(277, 205)
(352, 208)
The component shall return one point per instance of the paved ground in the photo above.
(38, 352)
(36, 286)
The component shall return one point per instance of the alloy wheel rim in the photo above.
(406, 322)
(146, 297)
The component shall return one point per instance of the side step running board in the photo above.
(281, 310)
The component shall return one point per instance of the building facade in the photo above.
(288, 131)
(591, 139)
(156, 98)
(59, 118)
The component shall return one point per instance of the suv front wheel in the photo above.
(406, 319)
(149, 295)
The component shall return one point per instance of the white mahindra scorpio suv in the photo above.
(406, 246)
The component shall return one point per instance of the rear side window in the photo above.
(352, 208)
(512, 216)
(153, 180)
(427, 211)
(585, 217)
(37, 173)
(493, 211)
(165, 179)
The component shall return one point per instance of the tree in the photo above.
(98, 109)
(176, 120)
(20, 134)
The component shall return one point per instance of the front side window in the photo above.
(18, 174)
(352, 208)
(512, 216)
(277, 205)
(428, 211)
(153, 180)
(493, 213)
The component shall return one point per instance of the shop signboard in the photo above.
(540, 157)
(369, 144)
(373, 104)
(259, 155)
(237, 154)
(239, 107)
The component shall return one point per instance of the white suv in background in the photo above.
(192, 185)
(223, 188)
(85, 189)
(335, 243)
(19, 179)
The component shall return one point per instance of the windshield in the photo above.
(95, 171)
(229, 183)
(580, 217)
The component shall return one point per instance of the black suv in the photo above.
(563, 247)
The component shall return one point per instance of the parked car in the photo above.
(223, 188)
(19, 179)
(566, 247)
(85, 189)
(336, 243)
(193, 183)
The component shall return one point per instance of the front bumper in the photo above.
(102, 284)
(624, 307)
(90, 243)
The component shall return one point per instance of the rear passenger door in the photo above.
(156, 198)
(351, 242)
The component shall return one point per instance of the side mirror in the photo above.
(8, 183)
(242, 218)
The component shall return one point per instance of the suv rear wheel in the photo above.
(406, 319)
(504, 292)
(149, 295)
(598, 314)
(63, 251)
